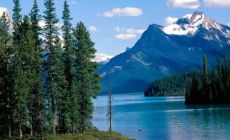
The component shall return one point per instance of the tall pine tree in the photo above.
(67, 110)
(22, 76)
(53, 64)
(6, 82)
(17, 19)
(37, 95)
(86, 78)
(205, 79)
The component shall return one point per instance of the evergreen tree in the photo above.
(215, 90)
(205, 79)
(193, 95)
(20, 87)
(17, 19)
(37, 96)
(214, 85)
(35, 18)
(67, 109)
(53, 68)
(6, 82)
(85, 73)
(24, 78)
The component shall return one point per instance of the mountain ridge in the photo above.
(158, 54)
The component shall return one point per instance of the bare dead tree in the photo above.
(109, 108)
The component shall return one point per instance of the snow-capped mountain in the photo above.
(192, 23)
(166, 50)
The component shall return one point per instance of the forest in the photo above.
(211, 86)
(207, 86)
(170, 86)
(47, 76)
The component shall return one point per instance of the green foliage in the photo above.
(36, 97)
(91, 135)
(6, 82)
(35, 17)
(86, 78)
(44, 91)
(169, 86)
(17, 19)
(214, 87)
(53, 66)
(68, 98)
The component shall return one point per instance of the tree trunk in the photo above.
(31, 127)
(20, 132)
(9, 131)
(8, 115)
(40, 127)
(31, 118)
(73, 129)
(54, 125)
(53, 112)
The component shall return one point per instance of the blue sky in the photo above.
(118, 24)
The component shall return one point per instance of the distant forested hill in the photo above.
(169, 86)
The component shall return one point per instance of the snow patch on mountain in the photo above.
(101, 57)
(191, 23)
(138, 58)
(176, 29)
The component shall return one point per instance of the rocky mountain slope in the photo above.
(163, 51)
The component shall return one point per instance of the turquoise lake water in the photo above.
(163, 118)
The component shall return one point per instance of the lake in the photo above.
(149, 118)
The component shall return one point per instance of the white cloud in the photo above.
(42, 24)
(2, 10)
(126, 11)
(93, 29)
(8, 15)
(129, 30)
(217, 3)
(127, 33)
(125, 36)
(188, 4)
(170, 20)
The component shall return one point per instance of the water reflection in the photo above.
(163, 118)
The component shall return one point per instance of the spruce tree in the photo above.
(67, 109)
(194, 95)
(20, 87)
(35, 18)
(37, 95)
(24, 78)
(214, 86)
(17, 19)
(6, 82)
(53, 64)
(205, 80)
(86, 78)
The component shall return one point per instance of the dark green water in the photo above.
(163, 118)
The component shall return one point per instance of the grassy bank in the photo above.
(91, 135)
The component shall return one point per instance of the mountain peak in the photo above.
(190, 23)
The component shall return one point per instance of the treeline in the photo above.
(170, 86)
(46, 84)
(210, 86)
